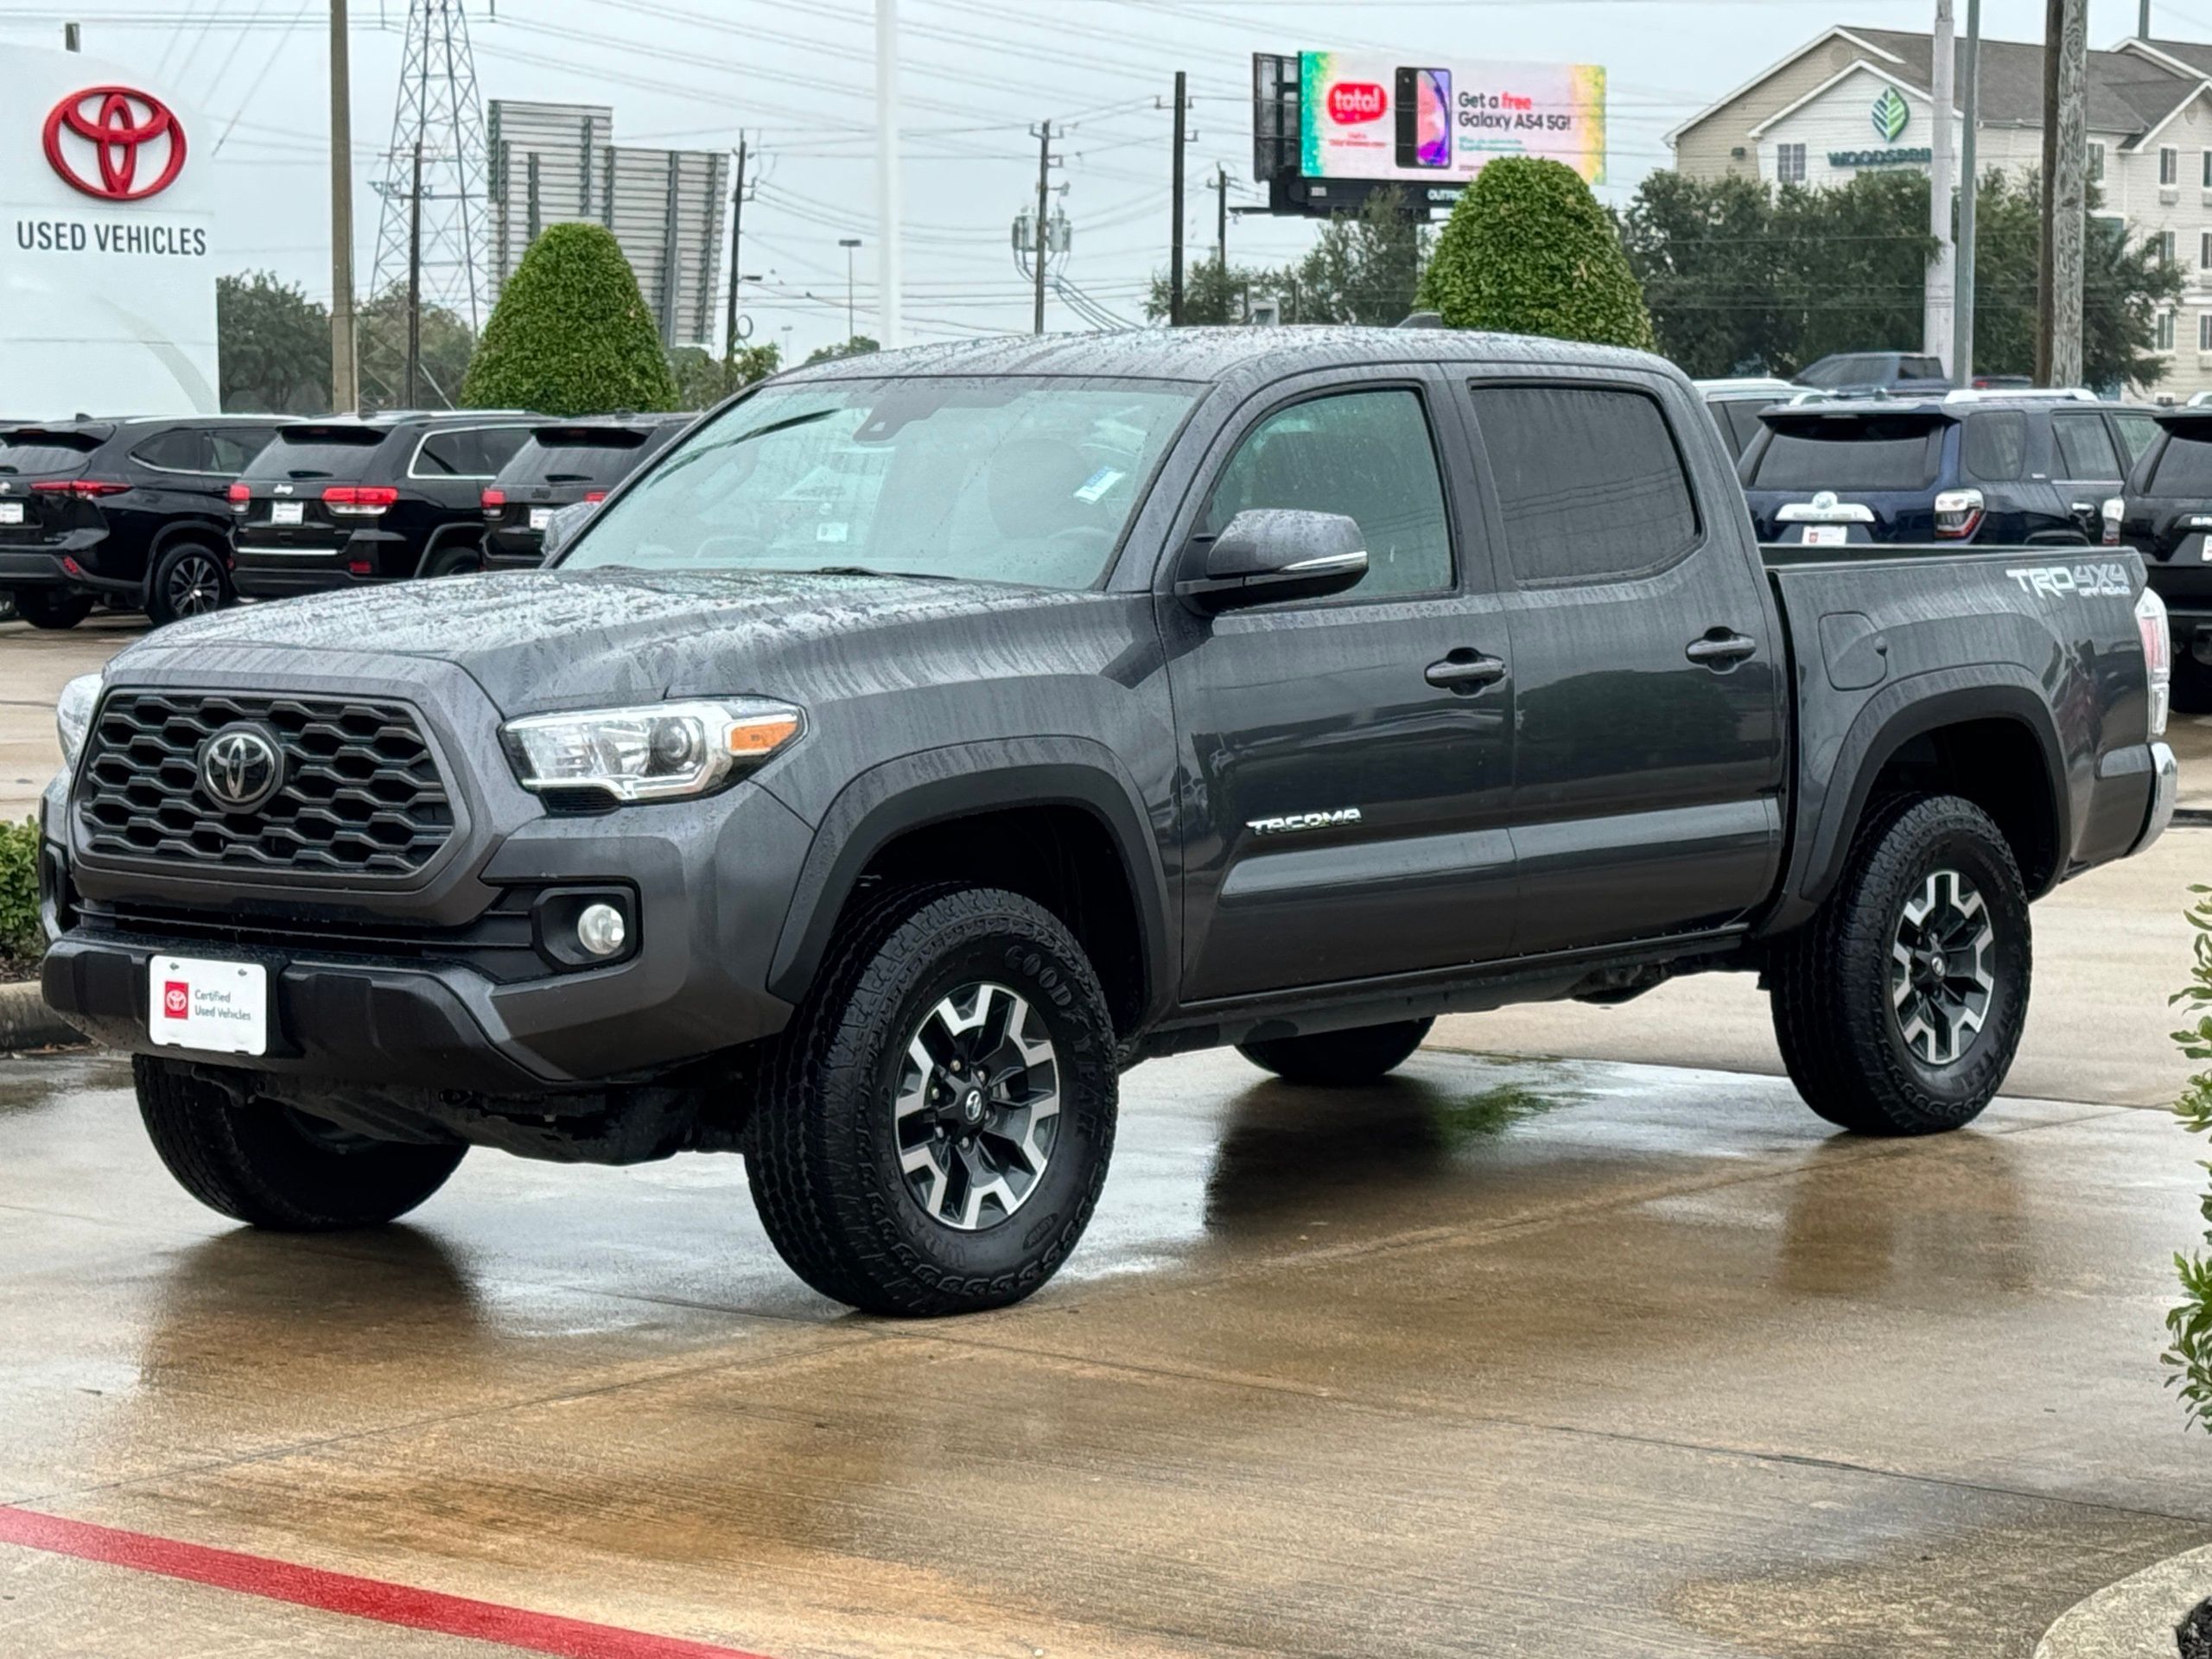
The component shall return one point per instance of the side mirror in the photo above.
(561, 529)
(1268, 555)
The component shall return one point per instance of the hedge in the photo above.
(570, 334)
(22, 938)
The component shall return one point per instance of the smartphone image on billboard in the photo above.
(1424, 117)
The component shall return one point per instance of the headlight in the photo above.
(72, 714)
(654, 754)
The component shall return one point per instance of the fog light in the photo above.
(601, 930)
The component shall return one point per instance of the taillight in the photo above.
(2157, 656)
(2114, 511)
(239, 495)
(594, 495)
(360, 500)
(83, 488)
(493, 500)
(1958, 513)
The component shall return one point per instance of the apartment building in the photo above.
(1856, 99)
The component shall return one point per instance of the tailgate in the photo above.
(297, 495)
(37, 467)
(1837, 476)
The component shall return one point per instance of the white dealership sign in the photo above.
(107, 243)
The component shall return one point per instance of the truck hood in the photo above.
(538, 640)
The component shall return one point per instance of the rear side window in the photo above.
(2084, 447)
(46, 452)
(1996, 445)
(1919, 368)
(2185, 467)
(1860, 452)
(180, 450)
(2137, 432)
(1590, 481)
(1367, 454)
(341, 452)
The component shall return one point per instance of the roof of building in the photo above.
(2132, 89)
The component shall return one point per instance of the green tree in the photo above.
(1363, 268)
(858, 345)
(702, 378)
(380, 348)
(1214, 295)
(570, 334)
(1529, 250)
(1708, 259)
(2189, 1325)
(274, 343)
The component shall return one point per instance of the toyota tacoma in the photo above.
(926, 738)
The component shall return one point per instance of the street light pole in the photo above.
(1969, 187)
(849, 244)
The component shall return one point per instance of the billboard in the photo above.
(108, 265)
(1366, 115)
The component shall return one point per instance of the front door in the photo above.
(1347, 760)
(1649, 674)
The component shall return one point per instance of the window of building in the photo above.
(2169, 164)
(1367, 454)
(2205, 331)
(1789, 164)
(1590, 481)
(2096, 162)
(2165, 331)
(2206, 157)
(2204, 247)
(2165, 243)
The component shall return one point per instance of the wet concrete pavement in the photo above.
(1501, 1357)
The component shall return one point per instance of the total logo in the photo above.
(1352, 102)
(176, 1000)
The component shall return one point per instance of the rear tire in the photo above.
(1899, 1008)
(1335, 1059)
(189, 580)
(454, 559)
(272, 1167)
(902, 1188)
(52, 608)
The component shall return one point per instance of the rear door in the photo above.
(1649, 675)
(2087, 467)
(1348, 777)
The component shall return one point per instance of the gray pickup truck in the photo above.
(926, 738)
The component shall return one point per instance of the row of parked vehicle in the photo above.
(179, 516)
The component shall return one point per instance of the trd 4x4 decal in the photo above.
(2081, 580)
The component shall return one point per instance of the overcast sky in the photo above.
(797, 76)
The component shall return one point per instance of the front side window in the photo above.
(1366, 455)
(1013, 479)
(1590, 481)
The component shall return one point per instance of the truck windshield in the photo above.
(986, 478)
(1874, 453)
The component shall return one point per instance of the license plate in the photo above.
(11, 512)
(2194, 550)
(285, 512)
(1825, 535)
(217, 1007)
(540, 517)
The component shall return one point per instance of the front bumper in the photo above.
(389, 982)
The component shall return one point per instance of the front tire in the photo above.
(272, 1167)
(933, 1131)
(52, 608)
(189, 580)
(1899, 1007)
(1335, 1059)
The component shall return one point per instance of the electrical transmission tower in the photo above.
(435, 208)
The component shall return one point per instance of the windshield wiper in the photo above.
(869, 570)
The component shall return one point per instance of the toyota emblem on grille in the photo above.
(241, 768)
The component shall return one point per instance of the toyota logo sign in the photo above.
(241, 768)
(129, 144)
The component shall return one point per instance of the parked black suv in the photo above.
(2165, 515)
(1967, 467)
(347, 503)
(577, 460)
(927, 737)
(127, 510)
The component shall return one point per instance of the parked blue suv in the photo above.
(1999, 466)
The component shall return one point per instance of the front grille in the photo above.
(361, 795)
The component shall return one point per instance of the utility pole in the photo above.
(345, 394)
(1936, 336)
(415, 286)
(852, 328)
(889, 322)
(1969, 188)
(2065, 155)
(1044, 132)
(72, 38)
(736, 251)
(2143, 23)
(1175, 243)
(1221, 214)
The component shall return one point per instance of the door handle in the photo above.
(1721, 649)
(1466, 670)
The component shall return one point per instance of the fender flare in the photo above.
(442, 536)
(935, 786)
(1893, 717)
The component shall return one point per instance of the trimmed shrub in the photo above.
(1529, 250)
(22, 938)
(2189, 1325)
(570, 334)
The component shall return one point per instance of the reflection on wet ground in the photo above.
(1526, 1358)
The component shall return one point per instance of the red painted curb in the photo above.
(341, 1593)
